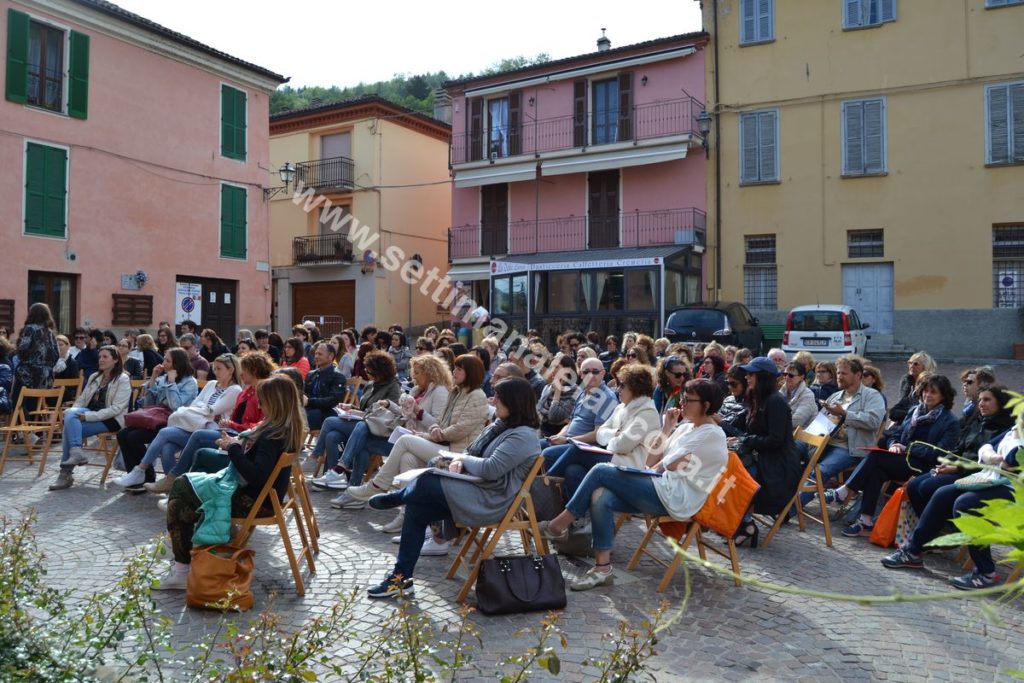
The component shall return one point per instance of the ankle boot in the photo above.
(162, 486)
(64, 480)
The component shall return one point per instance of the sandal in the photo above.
(748, 532)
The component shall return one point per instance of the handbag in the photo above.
(152, 418)
(220, 578)
(906, 523)
(512, 584)
(724, 508)
(884, 533)
(190, 418)
(381, 421)
(979, 481)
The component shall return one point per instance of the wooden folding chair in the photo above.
(352, 385)
(817, 487)
(292, 504)
(45, 418)
(309, 514)
(72, 388)
(520, 516)
(137, 388)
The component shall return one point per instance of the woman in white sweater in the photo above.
(801, 399)
(677, 480)
(216, 400)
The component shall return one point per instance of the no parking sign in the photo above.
(188, 300)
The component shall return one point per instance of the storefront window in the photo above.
(500, 299)
(640, 289)
(674, 289)
(540, 293)
(610, 290)
(563, 291)
(519, 299)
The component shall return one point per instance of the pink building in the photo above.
(136, 162)
(579, 197)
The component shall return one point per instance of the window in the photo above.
(564, 293)
(760, 278)
(759, 137)
(864, 244)
(7, 316)
(518, 295)
(610, 289)
(1004, 112)
(757, 21)
(56, 290)
(864, 144)
(36, 71)
(862, 13)
(132, 310)
(46, 186)
(605, 123)
(497, 127)
(1008, 265)
(640, 289)
(233, 119)
(500, 297)
(233, 221)
(1002, 3)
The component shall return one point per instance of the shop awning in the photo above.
(600, 161)
(496, 173)
(591, 258)
(469, 271)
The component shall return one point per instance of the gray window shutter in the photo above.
(852, 13)
(1017, 109)
(748, 142)
(998, 124)
(874, 136)
(764, 20)
(888, 12)
(767, 145)
(853, 162)
(748, 21)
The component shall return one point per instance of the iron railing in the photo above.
(322, 249)
(332, 173)
(532, 137)
(686, 226)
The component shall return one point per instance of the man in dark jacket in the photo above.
(325, 386)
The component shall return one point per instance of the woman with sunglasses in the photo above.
(637, 354)
(713, 368)
(801, 399)
(732, 416)
(673, 373)
(686, 470)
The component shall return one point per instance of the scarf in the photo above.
(489, 434)
(922, 416)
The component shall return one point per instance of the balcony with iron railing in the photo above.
(323, 175)
(321, 249)
(604, 127)
(686, 226)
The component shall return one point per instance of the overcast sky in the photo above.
(332, 42)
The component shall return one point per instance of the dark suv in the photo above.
(726, 322)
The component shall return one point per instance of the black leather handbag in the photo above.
(512, 584)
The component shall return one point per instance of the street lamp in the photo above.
(287, 174)
(704, 127)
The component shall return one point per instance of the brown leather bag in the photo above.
(220, 578)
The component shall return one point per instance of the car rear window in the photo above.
(702, 318)
(817, 321)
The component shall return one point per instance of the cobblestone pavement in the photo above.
(726, 633)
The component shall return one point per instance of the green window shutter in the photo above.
(232, 122)
(46, 190)
(232, 222)
(17, 56)
(78, 72)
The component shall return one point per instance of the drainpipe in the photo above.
(718, 160)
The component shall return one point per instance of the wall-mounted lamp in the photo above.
(531, 101)
(287, 174)
(704, 127)
(643, 81)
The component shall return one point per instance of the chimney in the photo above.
(603, 44)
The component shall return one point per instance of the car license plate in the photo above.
(815, 342)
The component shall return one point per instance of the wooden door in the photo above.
(603, 209)
(219, 305)
(332, 298)
(494, 219)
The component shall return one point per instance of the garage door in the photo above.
(332, 300)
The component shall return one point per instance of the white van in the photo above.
(828, 331)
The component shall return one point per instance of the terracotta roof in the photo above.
(695, 37)
(364, 106)
(113, 10)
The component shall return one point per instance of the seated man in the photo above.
(594, 406)
(200, 365)
(325, 386)
(858, 411)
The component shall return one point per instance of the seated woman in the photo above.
(502, 457)
(294, 356)
(255, 458)
(212, 346)
(173, 386)
(801, 399)
(100, 408)
(558, 398)
(622, 435)
(383, 386)
(936, 498)
(419, 409)
(133, 366)
(65, 368)
(399, 350)
(690, 463)
(673, 373)
(151, 358)
(929, 428)
(215, 401)
(713, 367)
(732, 416)
(461, 422)
(872, 378)
(254, 367)
(824, 381)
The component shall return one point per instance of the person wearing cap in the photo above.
(858, 411)
(767, 449)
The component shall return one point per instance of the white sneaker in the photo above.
(330, 477)
(346, 502)
(162, 504)
(173, 580)
(134, 478)
(395, 525)
(76, 456)
(364, 492)
(432, 548)
(31, 439)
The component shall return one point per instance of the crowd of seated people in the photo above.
(588, 405)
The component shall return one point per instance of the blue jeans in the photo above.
(168, 441)
(361, 444)
(571, 463)
(333, 431)
(616, 491)
(315, 417)
(424, 504)
(201, 438)
(76, 431)
(834, 460)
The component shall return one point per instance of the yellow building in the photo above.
(369, 180)
(871, 152)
